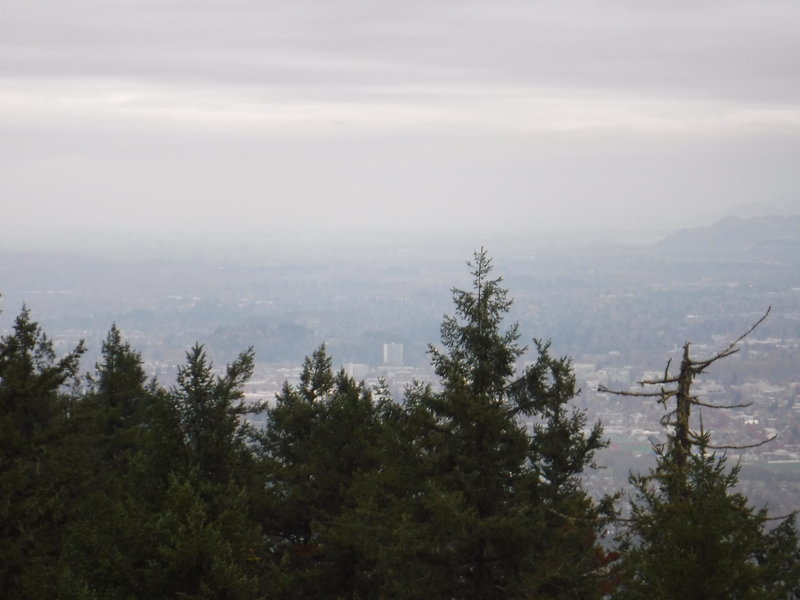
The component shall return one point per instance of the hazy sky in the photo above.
(312, 117)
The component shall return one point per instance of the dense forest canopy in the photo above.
(114, 486)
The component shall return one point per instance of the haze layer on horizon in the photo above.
(330, 118)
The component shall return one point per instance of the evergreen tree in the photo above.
(34, 487)
(708, 543)
(206, 544)
(120, 383)
(564, 560)
(211, 410)
(123, 441)
(122, 409)
(287, 447)
(321, 442)
(499, 511)
(205, 535)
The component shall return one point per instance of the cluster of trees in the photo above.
(112, 486)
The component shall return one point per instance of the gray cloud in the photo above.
(747, 49)
(194, 115)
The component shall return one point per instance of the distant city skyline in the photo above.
(315, 119)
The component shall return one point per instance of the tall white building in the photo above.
(393, 354)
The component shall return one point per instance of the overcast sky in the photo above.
(326, 116)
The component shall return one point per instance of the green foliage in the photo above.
(211, 410)
(30, 379)
(33, 412)
(705, 542)
(323, 440)
(468, 490)
(499, 503)
(477, 353)
(207, 538)
(125, 491)
(122, 443)
(559, 449)
(204, 550)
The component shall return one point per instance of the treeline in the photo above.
(113, 487)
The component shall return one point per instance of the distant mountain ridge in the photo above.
(758, 238)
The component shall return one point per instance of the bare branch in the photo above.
(749, 331)
(602, 388)
(781, 517)
(699, 366)
(697, 402)
(743, 447)
(664, 381)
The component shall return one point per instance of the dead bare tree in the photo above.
(689, 533)
(681, 439)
